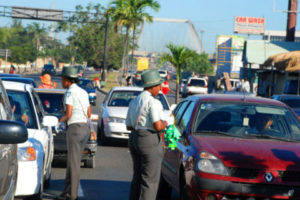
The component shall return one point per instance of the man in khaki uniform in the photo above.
(78, 111)
(145, 122)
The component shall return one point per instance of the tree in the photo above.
(38, 32)
(88, 33)
(178, 57)
(130, 14)
(200, 64)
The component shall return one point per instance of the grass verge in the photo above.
(111, 80)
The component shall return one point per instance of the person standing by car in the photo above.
(77, 113)
(143, 119)
(47, 83)
(166, 87)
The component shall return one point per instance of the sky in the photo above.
(210, 17)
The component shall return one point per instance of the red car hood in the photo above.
(252, 153)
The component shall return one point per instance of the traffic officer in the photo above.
(78, 111)
(145, 123)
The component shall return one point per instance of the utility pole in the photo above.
(104, 65)
(291, 21)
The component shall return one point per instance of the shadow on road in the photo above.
(93, 189)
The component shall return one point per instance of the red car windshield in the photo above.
(245, 119)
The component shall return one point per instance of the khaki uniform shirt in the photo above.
(79, 99)
(145, 106)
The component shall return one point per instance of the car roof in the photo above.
(287, 96)
(19, 79)
(11, 85)
(51, 91)
(197, 78)
(127, 88)
(9, 75)
(236, 98)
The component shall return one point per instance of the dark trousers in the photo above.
(147, 153)
(77, 137)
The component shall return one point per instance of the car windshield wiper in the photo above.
(219, 133)
(265, 136)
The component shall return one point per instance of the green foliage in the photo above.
(87, 39)
(179, 58)
(27, 43)
(129, 14)
(199, 64)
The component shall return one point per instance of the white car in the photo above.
(182, 84)
(36, 154)
(195, 85)
(235, 83)
(114, 109)
(163, 73)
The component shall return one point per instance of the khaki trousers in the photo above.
(147, 153)
(77, 137)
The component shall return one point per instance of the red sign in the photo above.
(249, 25)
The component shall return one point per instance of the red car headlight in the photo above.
(209, 163)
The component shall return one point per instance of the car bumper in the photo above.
(92, 100)
(116, 130)
(233, 190)
(29, 178)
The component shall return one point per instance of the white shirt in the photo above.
(149, 114)
(79, 99)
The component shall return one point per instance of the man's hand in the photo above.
(25, 119)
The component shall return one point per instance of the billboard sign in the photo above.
(249, 25)
(224, 52)
(142, 64)
(37, 13)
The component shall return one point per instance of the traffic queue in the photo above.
(40, 118)
(212, 146)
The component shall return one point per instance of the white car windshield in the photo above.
(123, 98)
(247, 120)
(22, 107)
(197, 82)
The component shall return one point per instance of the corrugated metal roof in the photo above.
(258, 51)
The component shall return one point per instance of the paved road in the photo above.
(110, 180)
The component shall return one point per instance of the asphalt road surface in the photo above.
(110, 179)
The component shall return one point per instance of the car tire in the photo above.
(104, 141)
(47, 181)
(164, 190)
(91, 162)
(182, 193)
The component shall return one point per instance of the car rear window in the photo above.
(86, 84)
(293, 103)
(197, 82)
(122, 98)
(52, 103)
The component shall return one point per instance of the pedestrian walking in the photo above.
(166, 87)
(144, 121)
(78, 111)
(47, 82)
(12, 68)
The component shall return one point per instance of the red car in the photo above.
(233, 147)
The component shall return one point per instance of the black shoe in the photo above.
(62, 196)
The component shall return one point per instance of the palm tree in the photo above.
(130, 14)
(39, 32)
(178, 58)
(117, 8)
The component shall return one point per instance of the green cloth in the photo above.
(172, 136)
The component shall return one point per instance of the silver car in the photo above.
(113, 111)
